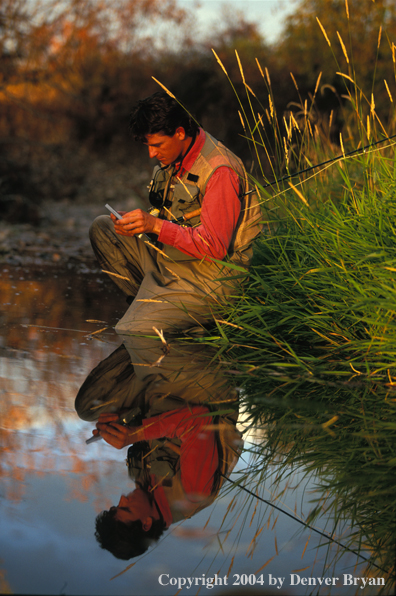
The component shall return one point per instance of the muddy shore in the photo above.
(59, 236)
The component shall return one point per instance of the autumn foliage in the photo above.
(71, 69)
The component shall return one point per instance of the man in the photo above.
(205, 214)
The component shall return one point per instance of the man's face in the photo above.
(167, 149)
(134, 506)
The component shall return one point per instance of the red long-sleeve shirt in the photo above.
(198, 451)
(220, 211)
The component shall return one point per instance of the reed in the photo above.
(312, 336)
(313, 340)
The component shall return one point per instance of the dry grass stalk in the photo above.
(271, 105)
(372, 105)
(250, 90)
(299, 194)
(324, 32)
(286, 151)
(343, 47)
(265, 565)
(242, 122)
(220, 62)
(164, 88)
(260, 69)
(305, 547)
(388, 90)
(240, 67)
(342, 145)
(295, 82)
(268, 77)
(231, 566)
(115, 275)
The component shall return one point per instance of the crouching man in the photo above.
(204, 213)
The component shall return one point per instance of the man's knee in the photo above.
(99, 227)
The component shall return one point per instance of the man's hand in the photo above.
(115, 434)
(136, 222)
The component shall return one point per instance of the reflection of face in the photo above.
(134, 506)
(167, 149)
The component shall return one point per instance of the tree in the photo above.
(80, 63)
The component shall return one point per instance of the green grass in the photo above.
(311, 339)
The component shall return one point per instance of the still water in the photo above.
(56, 327)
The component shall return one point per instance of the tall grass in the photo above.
(322, 290)
(312, 337)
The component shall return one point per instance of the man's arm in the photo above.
(220, 211)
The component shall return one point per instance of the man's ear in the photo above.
(181, 133)
(147, 523)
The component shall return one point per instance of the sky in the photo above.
(269, 14)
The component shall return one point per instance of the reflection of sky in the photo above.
(53, 539)
(54, 485)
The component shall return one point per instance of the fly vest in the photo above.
(185, 194)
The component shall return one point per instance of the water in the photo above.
(53, 485)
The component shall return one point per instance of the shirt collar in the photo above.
(195, 150)
(163, 505)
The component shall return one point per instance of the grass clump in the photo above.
(312, 337)
(322, 291)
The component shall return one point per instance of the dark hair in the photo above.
(125, 541)
(160, 113)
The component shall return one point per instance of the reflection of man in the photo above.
(181, 477)
(201, 185)
(180, 449)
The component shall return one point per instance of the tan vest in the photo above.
(187, 193)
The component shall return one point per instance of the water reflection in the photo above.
(182, 448)
(53, 485)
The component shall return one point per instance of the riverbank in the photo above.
(59, 234)
(61, 237)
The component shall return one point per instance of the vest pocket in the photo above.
(185, 199)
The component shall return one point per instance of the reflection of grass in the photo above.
(345, 437)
